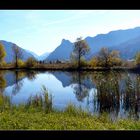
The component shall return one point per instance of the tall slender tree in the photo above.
(18, 54)
(81, 48)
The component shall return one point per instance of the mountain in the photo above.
(44, 56)
(129, 48)
(67, 79)
(64, 77)
(113, 38)
(8, 46)
(62, 52)
(34, 54)
(41, 57)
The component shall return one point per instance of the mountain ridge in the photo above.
(124, 40)
(8, 46)
(110, 39)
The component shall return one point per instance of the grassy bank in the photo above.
(59, 121)
(56, 120)
(38, 114)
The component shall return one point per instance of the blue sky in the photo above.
(42, 31)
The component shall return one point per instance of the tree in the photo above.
(107, 58)
(2, 82)
(115, 59)
(94, 62)
(31, 62)
(137, 59)
(81, 48)
(20, 63)
(18, 54)
(103, 57)
(2, 54)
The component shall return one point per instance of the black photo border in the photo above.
(68, 5)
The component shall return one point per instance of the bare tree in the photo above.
(18, 54)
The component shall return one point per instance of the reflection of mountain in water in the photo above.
(66, 79)
(116, 93)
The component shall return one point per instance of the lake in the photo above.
(116, 93)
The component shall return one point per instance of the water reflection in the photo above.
(131, 95)
(2, 82)
(108, 95)
(80, 89)
(19, 75)
(31, 75)
(17, 80)
(116, 93)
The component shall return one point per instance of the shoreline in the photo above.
(72, 69)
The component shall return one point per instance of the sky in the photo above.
(42, 31)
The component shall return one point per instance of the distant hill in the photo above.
(62, 52)
(44, 56)
(41, 57)
(126, 41)
(9, 51)
(112, 38)
(129, 48)
(118, 39)
(34, 54)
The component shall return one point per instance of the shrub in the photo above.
(107, 58)
(31, 62)
(20, 63)
(137, 59)
(41, 102)
(2, 54)
(93, 62)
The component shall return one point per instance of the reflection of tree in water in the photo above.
(80, 89)
(18, 82)
(19, 75)
(2, 82)
(131, 95)
(115, 89)
(31, 75)
(108, 96)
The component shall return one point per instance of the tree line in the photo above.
(17, 57)
(105, 58)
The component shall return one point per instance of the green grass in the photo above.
(38, 114)
(56, 120)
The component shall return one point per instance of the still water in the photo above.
(117, 93)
